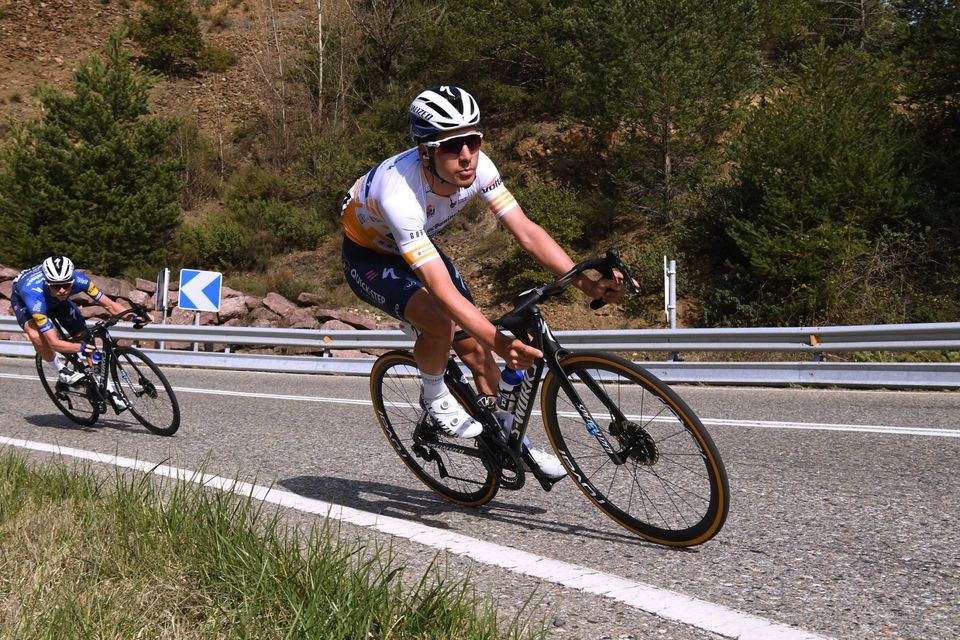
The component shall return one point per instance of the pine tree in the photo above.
(822, 183)
(91, 177)
(169, 33)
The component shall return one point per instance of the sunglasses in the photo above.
(455, 144)
(60, 285)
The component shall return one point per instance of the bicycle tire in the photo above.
(76, 402)
(460, 478)
(672, 487)
(146, 390)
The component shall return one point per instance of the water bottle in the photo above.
(507, 389)
(97, 358)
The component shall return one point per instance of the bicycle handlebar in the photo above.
(604, 265)
(100, 327)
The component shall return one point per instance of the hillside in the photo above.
(41, 41)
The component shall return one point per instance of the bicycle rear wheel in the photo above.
(671, 486)
(146, 390)
(453, 468)
(77, 402)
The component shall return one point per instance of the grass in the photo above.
(84, 556)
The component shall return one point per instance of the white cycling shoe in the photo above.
(69, 377)
(451, 417)
(547, 462)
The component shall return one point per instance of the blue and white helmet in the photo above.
(57, 270)
(440, 109)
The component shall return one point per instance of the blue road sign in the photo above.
(200, 290)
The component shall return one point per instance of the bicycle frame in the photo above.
(100, 330)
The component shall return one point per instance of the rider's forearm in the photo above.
(471, 320)
(551, 256)
(111, 305)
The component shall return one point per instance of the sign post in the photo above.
(160, 304)
(200, 291)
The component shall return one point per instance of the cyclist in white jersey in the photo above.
(391, 261)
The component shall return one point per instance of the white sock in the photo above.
(433, 386)
(56, 364)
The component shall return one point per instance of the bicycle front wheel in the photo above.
(146, 390)
(665, 481)
(77, 402)
(453, 468)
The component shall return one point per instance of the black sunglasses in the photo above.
(454, 145)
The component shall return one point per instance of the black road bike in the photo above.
(626, 439)
(138, 385)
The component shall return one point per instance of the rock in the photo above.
(357, 320)
(301, 319)
(263, 317)
(253, 302)
(141, 297)
(112, 286)
(8, 273)
(232, 308)
(335, 325)
(145, 285)
(308, 299)
(227, 292)
(5, 308)
(6, 288)
(278, 304)
(389, 325)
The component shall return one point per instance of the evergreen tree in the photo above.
(91, 177)
(169, 33)
(663, 77)
(821, 186)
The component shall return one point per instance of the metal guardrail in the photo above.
(812, 341)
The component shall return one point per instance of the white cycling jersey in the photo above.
(391, 209)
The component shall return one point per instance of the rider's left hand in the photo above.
(608, 289)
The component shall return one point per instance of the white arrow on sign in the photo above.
(194, 291)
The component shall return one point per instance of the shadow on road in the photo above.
(425, 507)
(59, 421)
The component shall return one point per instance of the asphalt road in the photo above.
(843, 518)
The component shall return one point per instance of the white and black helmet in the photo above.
(57, 270)
(440, 109)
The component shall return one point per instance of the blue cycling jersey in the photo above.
(31, 293)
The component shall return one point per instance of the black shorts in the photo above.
(388, 282)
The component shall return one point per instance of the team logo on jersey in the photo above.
(431, 210)
(372, 275)
(493, 185)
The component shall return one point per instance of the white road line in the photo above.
(726, 622)
(718, 422)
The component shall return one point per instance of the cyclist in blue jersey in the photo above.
(390, 260)
(41, 294)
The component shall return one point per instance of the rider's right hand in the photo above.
(519, 356)
(87, 348)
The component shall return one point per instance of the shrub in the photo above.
(169, 33)
(216, 59)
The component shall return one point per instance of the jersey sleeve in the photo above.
(38, 313)
(83, 284)
(404, 215)
(492, 190)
